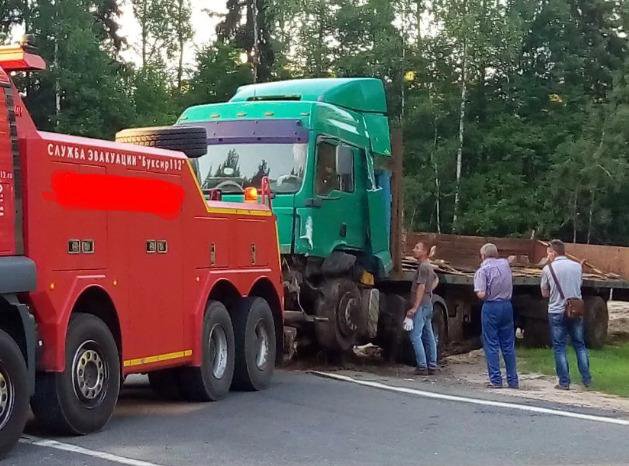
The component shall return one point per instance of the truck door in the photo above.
(339, 208)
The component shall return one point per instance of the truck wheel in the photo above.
(165, 383)
(390, 331)
(255, 344)
(339, 303)
(13, 393)
(536, 333)
(440, 329)
(211, 381)
(595, 321)
(190, 140)
(81, 399)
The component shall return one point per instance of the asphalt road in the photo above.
(305, 419)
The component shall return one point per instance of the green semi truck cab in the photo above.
(317, 141)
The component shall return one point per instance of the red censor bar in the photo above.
(116, 193)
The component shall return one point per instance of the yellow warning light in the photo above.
(251, 194)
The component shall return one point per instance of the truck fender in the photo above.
(29, 329)
(338, 263)
(52, 356)
(214, 289)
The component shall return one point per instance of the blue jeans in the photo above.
(423, 338)
(560, 328)
(499, 335)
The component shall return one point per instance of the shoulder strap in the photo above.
(552, 272)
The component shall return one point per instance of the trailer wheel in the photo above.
(255, 344)
(165, 383)
(212, 380)
(13, 393)
(390, 331)
(595, 321)
(190, 140)
(536, 333)
(440, 329)
(339, 303)
(81, 399)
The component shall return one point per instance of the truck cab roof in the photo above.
(358, 94)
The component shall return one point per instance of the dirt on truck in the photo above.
(112, 262)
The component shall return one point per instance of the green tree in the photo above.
(84, 91)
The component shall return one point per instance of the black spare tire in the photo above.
(191, 140)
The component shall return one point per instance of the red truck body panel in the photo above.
(129, 224)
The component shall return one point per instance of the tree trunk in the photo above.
(574, 217)
(459, 154)
(256, 39)
(56, 66)
(435, 167)
(144, 33)
(181, 43)
(590, 215)
(418, 13)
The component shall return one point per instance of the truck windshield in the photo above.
(233, 167)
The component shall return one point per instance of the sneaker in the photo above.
(514, 387)
(562, 387)
(588, 385)
(421, 371)
(433, 370)
(493, 385)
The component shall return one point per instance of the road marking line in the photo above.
(476, 401)
(40, 442)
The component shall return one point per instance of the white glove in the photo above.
(408, 324)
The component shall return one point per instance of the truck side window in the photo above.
(328, 179)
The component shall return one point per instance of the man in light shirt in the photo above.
(493, 284)
(569, 275)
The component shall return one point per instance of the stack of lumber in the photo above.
(519, 269)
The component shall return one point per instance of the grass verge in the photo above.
(609, 366)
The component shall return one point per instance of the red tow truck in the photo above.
(113, 262)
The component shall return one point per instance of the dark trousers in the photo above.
(499, 336)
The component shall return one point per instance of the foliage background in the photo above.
(515, 112)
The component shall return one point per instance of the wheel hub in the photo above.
(7, 398)
(346, 315)
(218, 351)
(262, 345)
(89, 373)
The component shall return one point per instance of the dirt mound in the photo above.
(618, 320)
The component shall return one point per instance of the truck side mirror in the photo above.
(344, 160)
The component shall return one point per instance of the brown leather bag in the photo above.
(574, 307)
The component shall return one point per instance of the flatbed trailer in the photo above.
(458, 309)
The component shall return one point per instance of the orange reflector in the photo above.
(251, 194)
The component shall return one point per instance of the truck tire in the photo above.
(81, 399)
(339, 302)
(13, 393)
(255, 344)
(191, 140)
(440, 329)
(390, 331)
(536, 333)
(165, 383)
(212, 380)
(595, 321)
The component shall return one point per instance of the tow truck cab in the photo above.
(17, 271)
